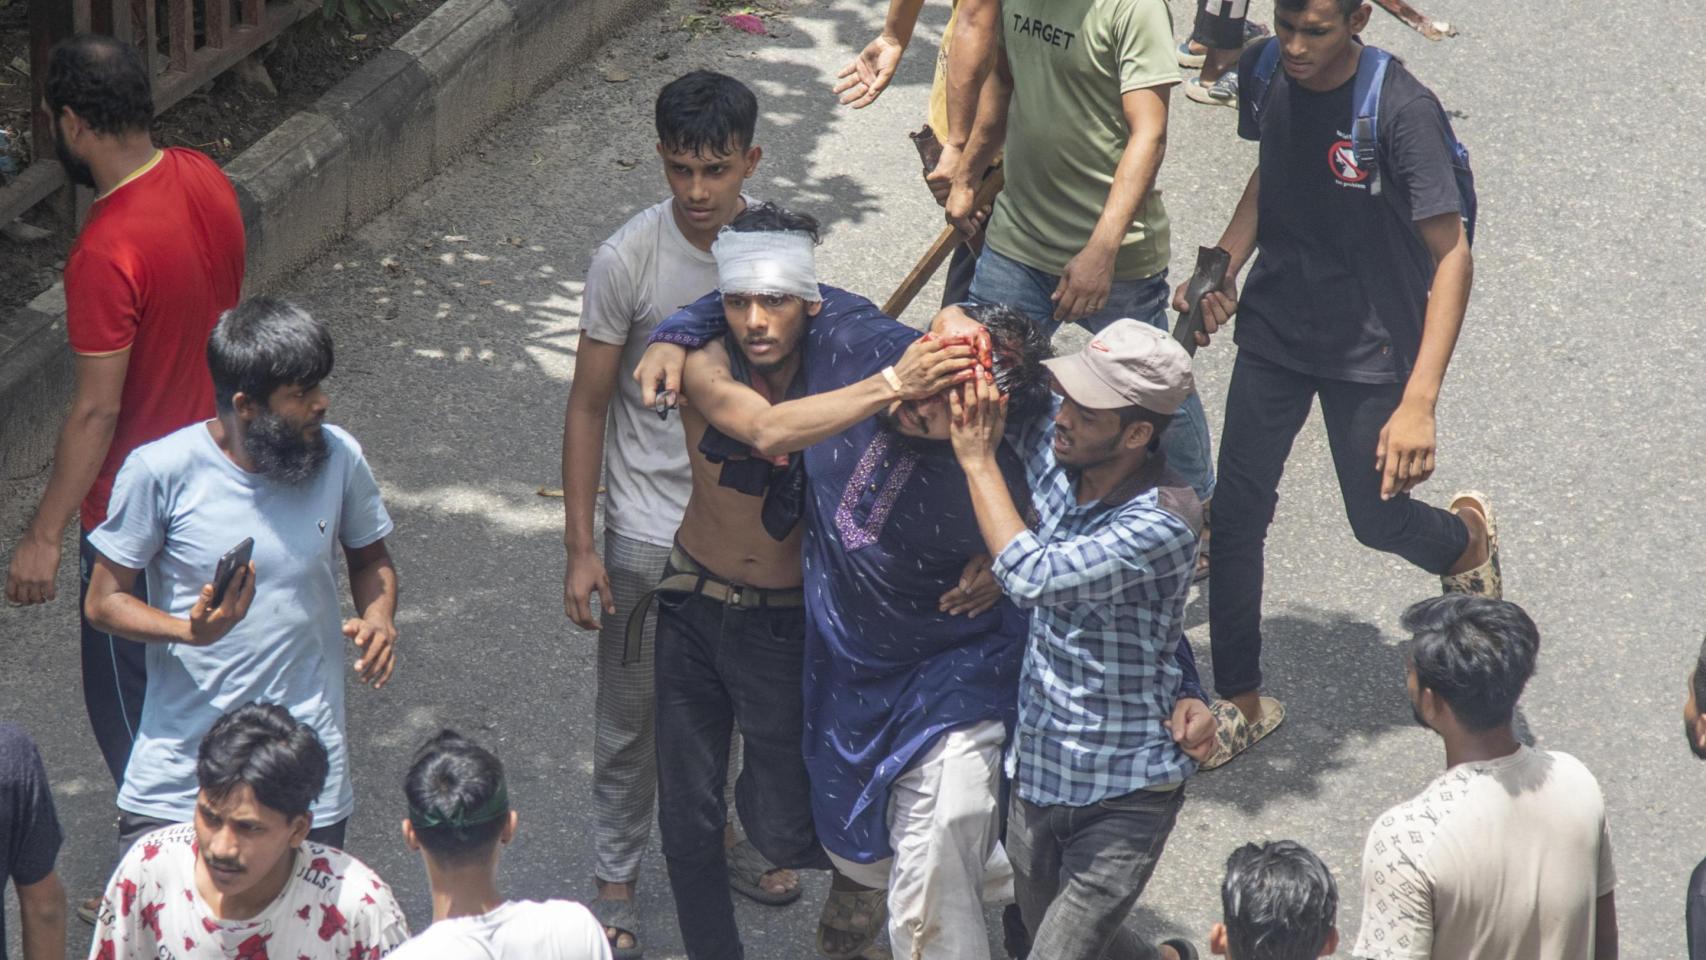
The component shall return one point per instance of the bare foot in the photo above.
(780, 880)
(617, 891)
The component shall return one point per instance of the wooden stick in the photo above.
(946, 241)
(1417, 20)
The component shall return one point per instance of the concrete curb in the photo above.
(381, 132)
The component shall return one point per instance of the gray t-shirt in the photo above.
(646, 271)
(178, 505)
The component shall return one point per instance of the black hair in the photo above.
(708, 113)
(1157, 421)
(103, 80)
(451, 779)
(1346, 7)
(1278, 901)
(768, 217)
(262, 745)
(263, 344)
(1018, 347)
(1474, 652)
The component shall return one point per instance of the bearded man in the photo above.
(267, 469)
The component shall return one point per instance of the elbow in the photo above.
(767, 443)
(100, 415)
(94, 610)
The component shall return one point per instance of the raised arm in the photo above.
(928, 367)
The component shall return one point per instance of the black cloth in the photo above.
(1266, 405)
(1341, 279)
(783, 487)
(29, 830)
(717, 666)
(115, 675)
(1697, 913)
(1220, 23)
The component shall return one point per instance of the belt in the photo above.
(684, 576)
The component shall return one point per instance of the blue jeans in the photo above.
(115, 675)
(1006, 281)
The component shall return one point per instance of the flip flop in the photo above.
(623, 917)
(1183, 947)
(859, 913)
(747, 867)
(1234, 735)
(1485, 580)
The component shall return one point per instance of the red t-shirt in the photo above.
(160, 258)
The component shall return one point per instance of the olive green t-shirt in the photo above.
(1072, 61)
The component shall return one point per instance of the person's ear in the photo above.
(409, 838)
(1700, 729)
(1217, 940)
(664, 154)
(1434, 708)
(753, 155)
(813, 307)
(245, 407)
(1332, 944)
(299, 827)
(508, 832)
(1359, 18)
(1138, 435)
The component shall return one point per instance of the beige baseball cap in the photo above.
(1129, 363)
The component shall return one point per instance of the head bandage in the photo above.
(775, 262)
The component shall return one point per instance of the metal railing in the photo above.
(229, 31)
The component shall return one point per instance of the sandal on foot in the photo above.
(747, 868)
(1182, 947)
(89, 910)
(852, 917)
(1221, 93)
(1234, 735)
(623, 917)
(1187, 51)
(1485, 580)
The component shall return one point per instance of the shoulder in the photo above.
(1402, 94)
(1159, 514)
(160, 849)
(639, 234)
(1571, 775)
(341, 442)
(1173, 495)
(361, 891)
(178, 453)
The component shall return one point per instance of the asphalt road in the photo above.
(1571, 401)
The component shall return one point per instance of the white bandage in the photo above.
(779, 262)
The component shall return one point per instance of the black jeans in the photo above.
(115, 675)
(716, 665)
(1696, 913)
(1266, 405)
(1077, 871)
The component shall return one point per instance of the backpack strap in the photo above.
(1365, 123)
(1266, 63)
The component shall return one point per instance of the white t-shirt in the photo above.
(518, 930)
(1504, 858)
(646, 271)
(333, 908)
(178, 505)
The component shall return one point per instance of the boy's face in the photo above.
(1314, 39)
(243, 844)
(768, 326)
(707, 186)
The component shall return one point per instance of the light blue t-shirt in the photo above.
(178, 505)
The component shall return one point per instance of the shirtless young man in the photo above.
(731, 619)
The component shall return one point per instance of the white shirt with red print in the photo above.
(333, 908)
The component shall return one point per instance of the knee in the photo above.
(1377, 529)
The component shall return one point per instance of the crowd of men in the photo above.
(903, 605)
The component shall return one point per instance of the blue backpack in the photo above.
(1365, 125)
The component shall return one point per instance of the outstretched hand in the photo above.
(866, 76)
(979, 415)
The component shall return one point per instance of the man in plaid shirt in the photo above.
(1105, 738)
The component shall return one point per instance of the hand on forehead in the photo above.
(954, 325)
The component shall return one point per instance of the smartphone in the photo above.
(235, 559)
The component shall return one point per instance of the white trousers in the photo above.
(944, 826)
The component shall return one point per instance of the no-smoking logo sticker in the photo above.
(1342, 160)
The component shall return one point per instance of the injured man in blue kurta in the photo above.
(912, 655)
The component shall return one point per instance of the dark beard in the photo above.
(280, 452)
(76, 170)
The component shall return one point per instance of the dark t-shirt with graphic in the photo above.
(29, 831)
(1340, 284)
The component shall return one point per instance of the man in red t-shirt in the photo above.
(159, 258)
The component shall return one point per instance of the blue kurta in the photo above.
(889, 529)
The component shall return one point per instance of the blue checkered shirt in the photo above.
(1106, 587)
